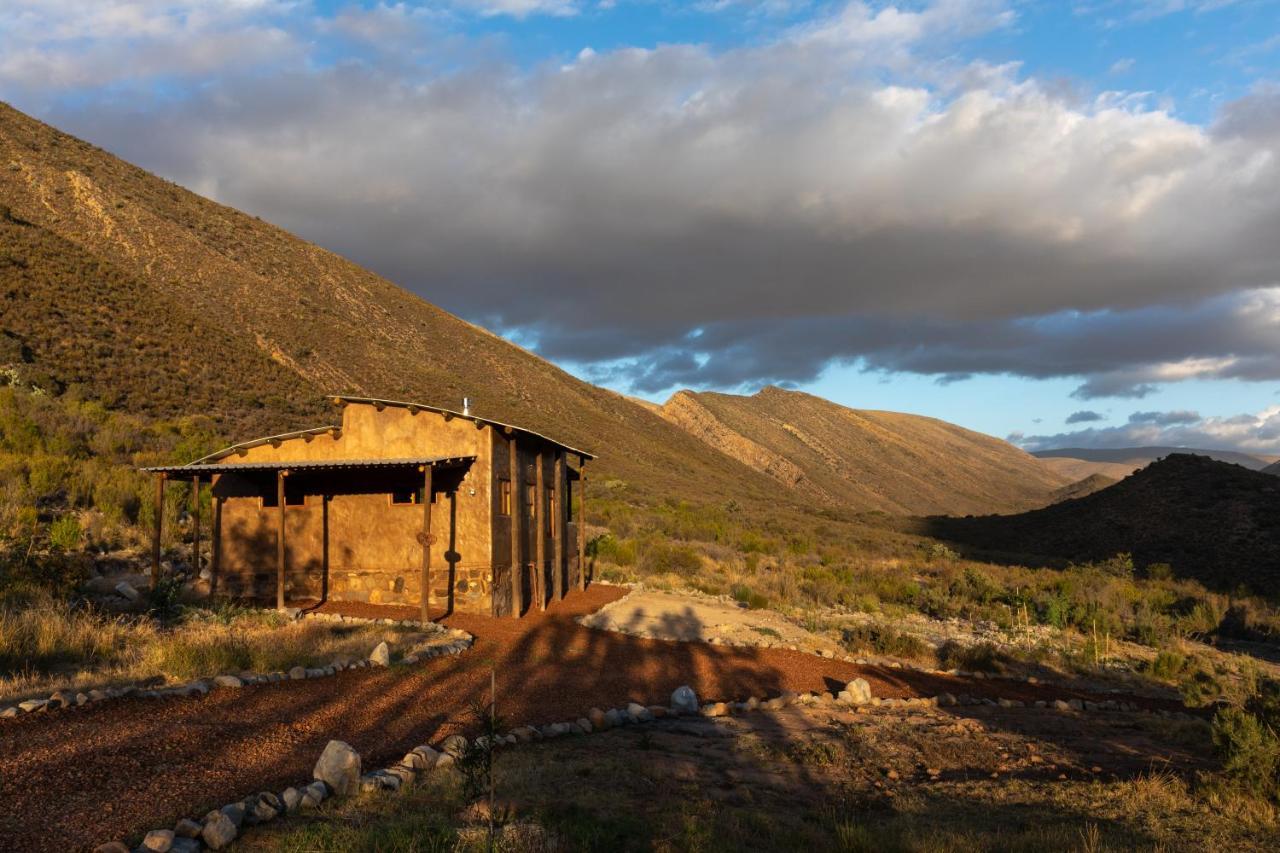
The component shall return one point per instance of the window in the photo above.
(504, 497)
(406, 497)
(269, 500)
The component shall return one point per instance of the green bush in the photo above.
(1168, 665)
(981, 657)
(752, 599)
(64, 533)
(660, 556)
(1250, 750)
(883, 640)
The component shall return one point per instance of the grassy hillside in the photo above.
(865, 459)
(1213, 521)
(1085, 486)
(162, 303)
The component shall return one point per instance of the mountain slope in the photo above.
(865, 459)
(1103, 460)
(1207, 519)
(1084, 486)
(1273, 468)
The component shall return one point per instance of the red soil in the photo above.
(73, 778)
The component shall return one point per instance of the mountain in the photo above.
(1210, 520)
(1120, 462)
(157, 301)
(1084, 486)
(865, 459)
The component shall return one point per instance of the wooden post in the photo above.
(557, 530)
(195, 525)
(517, 519)
(156, 531)
(582, 522)
(215, 561)
(280, 475)
(426, 543)
(540, 535)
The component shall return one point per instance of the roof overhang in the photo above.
(343, 399)
(417, 463)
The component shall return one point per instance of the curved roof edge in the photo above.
(343, 399)
(268, 439)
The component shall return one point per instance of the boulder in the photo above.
(597, 718)
(185, 845)
(234, 813)
(227, 681)
(111, 847)
(381, 654)
(100, 586)
(454, 745)
(292, 798)
(859, 691)
(298, 673)
(126, 592)
(339, 768)
(268, 807)
(314, 794)
(187, 829)
(219, 830)
(683, 700)
(637, 712)
(158, 841)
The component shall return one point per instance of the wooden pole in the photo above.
(157, 529)
(426, 543)
(280, 475)
(540, 534)
(517, 518)
(195, 525)
(215, 561)
(582, 522)
(557, 529)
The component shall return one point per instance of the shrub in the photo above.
(883, 640)
(605, 547)
(1250, 750)
(752, 599)
(981, 657)
(64, 533)
(660, 556)
(1168, 665)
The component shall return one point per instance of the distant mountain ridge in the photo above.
(865, 458)
(1210, 520)
(1139, 456)
(153, 299)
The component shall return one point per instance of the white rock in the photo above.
(381, 654)
(859, 692)
(298, 673)
(126, 592)
(684, 700)
(158, 841)
(339, 768)
(227, 681)
(292, 798)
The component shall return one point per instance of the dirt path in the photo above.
(73, 778)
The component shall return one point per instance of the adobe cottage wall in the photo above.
(373, 550)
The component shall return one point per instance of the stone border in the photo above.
(338, 771)
(201, 686)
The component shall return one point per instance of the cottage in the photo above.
(399, 498)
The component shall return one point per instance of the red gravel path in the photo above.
(73, 778)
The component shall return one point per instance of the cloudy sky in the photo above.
(1058, 221)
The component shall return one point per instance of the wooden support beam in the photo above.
(215, 561)
(540, 533)
(157, 529)
(517, 522)
(582, 522)
(426, 543)
(280, 475)
(557, 528)
(195, 525)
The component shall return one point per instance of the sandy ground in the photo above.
(674, 616)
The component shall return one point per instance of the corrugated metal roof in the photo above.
(374, 401)
(312, 465)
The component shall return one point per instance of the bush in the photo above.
(752, 599)
(64, 534)
(605, 547)
(1168, 665)
(883, 640)
(981, 657)
(1250, 750)
(661, 556)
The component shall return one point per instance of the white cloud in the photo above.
(1249, 433)
(783, 198)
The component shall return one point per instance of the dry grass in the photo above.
(48, 645)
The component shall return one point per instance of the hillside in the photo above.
(1120, 462)
(1209, 520)
(161, 302)
(1085, 486)
(1273, 468)
(865, 459)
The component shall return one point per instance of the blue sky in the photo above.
(1035, 219)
